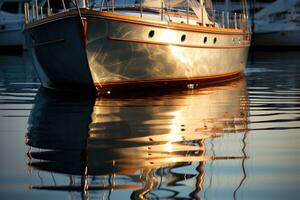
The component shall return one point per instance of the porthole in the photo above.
(151, 34)
(215, 40)
(205, 40)
(183, 37)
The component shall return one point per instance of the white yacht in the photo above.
(110, 45)
(278, 24)
(11, 23)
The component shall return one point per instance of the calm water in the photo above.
(239, 140)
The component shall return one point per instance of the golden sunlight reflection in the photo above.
(136, 143)
(169, 147)
(168, 36)
(178, 53)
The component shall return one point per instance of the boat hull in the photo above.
(59, 55)
(111, 52)
(11, 26)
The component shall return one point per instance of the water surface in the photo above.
(238, 140)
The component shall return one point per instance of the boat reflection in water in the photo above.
(158, 146)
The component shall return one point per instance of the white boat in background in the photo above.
(11, 23)
(278, 24)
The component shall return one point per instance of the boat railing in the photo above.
(283, 17)
(210, 17)
(230, 20)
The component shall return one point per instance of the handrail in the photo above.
(213, 18)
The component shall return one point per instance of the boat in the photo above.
(112, 45)
(278, 24)
(11, 23)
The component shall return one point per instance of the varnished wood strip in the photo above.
(135, 20)
(171, 25)
(211, 78)
(176, 44)
(48, 42)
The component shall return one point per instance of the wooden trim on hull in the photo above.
(175, 44)
(171, 25)
(136, 20)
(48, 42)
(167, 83)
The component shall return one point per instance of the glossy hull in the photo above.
(112, 50)
(59, 56)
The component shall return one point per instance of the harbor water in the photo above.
(235, 140)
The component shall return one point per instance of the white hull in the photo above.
(135, 47)
(11, 26)
(118, 51)
(277, 25)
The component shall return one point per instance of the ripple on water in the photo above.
(230, 141)
(143, 139)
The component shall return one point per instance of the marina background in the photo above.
(249, 148)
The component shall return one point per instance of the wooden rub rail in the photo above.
(176, 44)
(141, 21)
(168, 83)
(48, 42)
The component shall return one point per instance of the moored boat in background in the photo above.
(11, 23)
(278, 24)
(111, 44)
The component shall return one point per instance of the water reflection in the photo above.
(158, 146)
